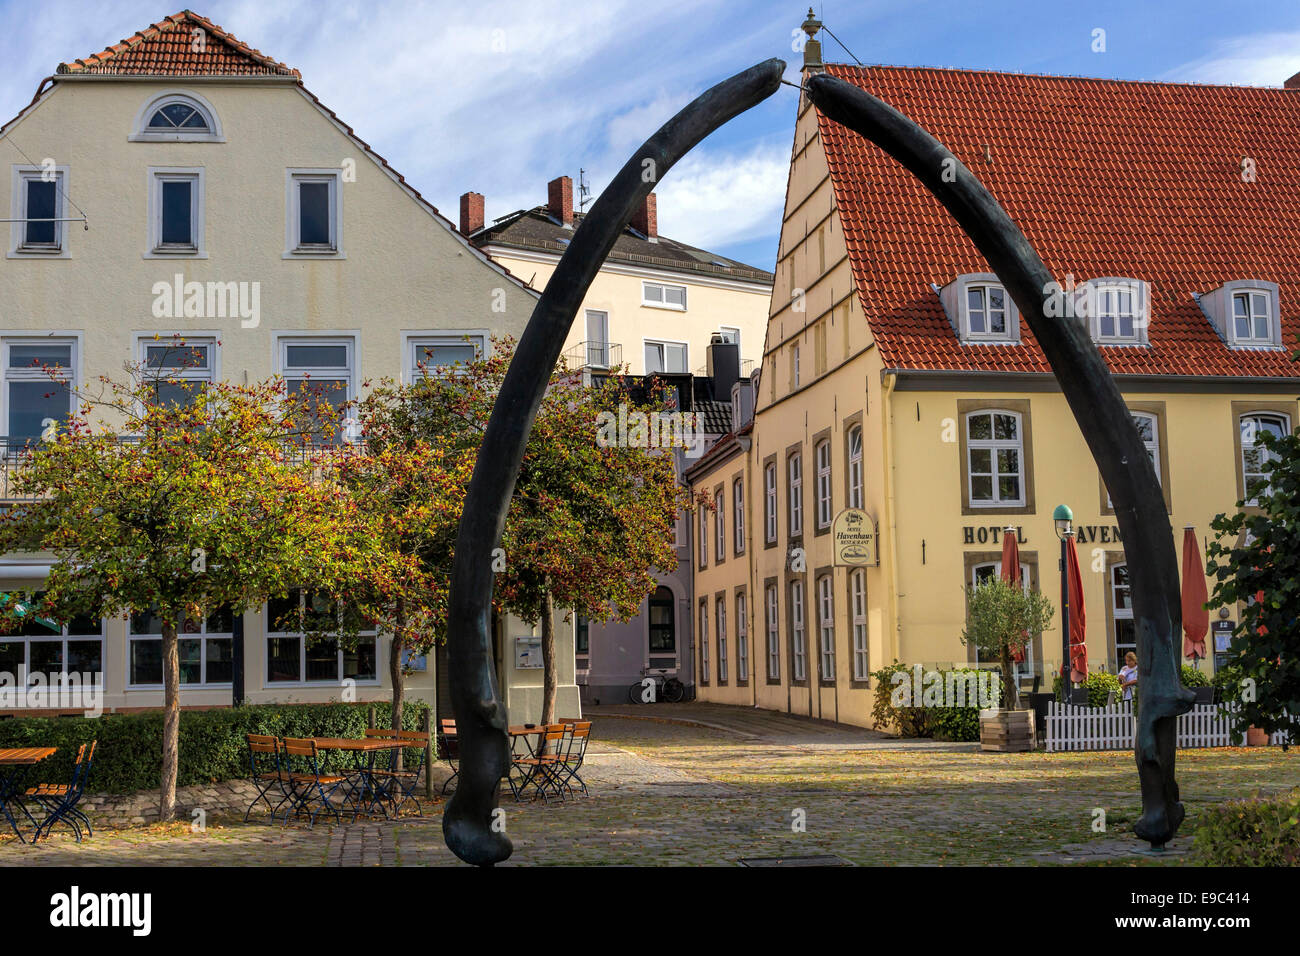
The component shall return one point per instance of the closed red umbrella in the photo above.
(1196, 618)
(1078, 645)
(1011, 573)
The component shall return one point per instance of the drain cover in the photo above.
(827, 860)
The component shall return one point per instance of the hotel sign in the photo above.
(854, 537)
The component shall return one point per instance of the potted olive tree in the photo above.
(1001, 618)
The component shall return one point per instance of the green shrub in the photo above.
(1099, 685)
(212, 746)
(1258, 831)
(942, 723)
(1194, 678)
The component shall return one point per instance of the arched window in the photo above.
(855, 467)
(177, 116)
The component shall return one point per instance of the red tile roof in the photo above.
(172, 47)
(1105, 178)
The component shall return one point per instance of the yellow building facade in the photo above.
(898, 378)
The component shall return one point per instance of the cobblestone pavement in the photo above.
(672, 793)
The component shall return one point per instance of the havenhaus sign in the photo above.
(854, 537)
(1083, 534)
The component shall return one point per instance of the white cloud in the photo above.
(711, 199)
(1261, 59)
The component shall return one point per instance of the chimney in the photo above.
(559, 200)
(812, 48)
(646, 219)
(723, 366)
(471, 213)
(1293, 83)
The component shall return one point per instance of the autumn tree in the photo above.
(592, 517)
(160, 494)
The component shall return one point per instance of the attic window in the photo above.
(1115, 309)
(1245, 313)
(980, 310)
(176, 116)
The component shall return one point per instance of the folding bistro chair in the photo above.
(60, 800)
(573, 756)
(539, 769)
(264, 772)
(406, 779)
(449, 749)
(308, 787)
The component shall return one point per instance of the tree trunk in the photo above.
(397, 677)
(550, 679)
(1010, 692)
(171, 668)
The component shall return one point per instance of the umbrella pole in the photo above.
(1065, 622)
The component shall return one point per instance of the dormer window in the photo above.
(1245, 313)
(980, 310)
(1252, 319)
(1116, 310)
(176, 116)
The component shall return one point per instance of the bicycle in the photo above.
(661, 687)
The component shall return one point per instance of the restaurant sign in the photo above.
(854, 537)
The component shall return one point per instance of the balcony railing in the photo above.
(15, 450)
(594, 355)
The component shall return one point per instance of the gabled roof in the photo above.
(1106, 178)
(537, 230)
(184, 44)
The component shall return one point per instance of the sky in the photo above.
(501, 96)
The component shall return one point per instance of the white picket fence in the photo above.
(1079, 727)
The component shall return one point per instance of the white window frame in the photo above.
(352, 340)
(1118, 613)
(414, 342)
(794, 470)
(826, 624)
(730, 336)
(202, 636)
(993, 446)
(1252, 297)
(293, 248)
(798, 642)
(70, 377)
(62, 638)
(773, 633)
(855, 467)
(955, 299)
(142, 133)
(769, 503)
(704, 641)
(1008, 314)
(1267, 456)
(822, 457)
(662, 346)
(742, 637)
(720, 526)
(738, 514)
(794, 367)
(302, 680)
(597, 347)
(192, 340)
(1103, 297)
(648, 300)
(18, 248)
(721, 610)
(196, 176)
(858, 609)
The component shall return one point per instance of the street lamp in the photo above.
(1063, 518)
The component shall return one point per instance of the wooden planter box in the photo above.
(1256, 737)
(1007, 731)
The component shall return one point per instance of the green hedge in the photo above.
(1259, 831)
(942, 723)
(212, 744)
(1099, 684)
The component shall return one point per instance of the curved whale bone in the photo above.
(1099, 409)
(468, 823)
